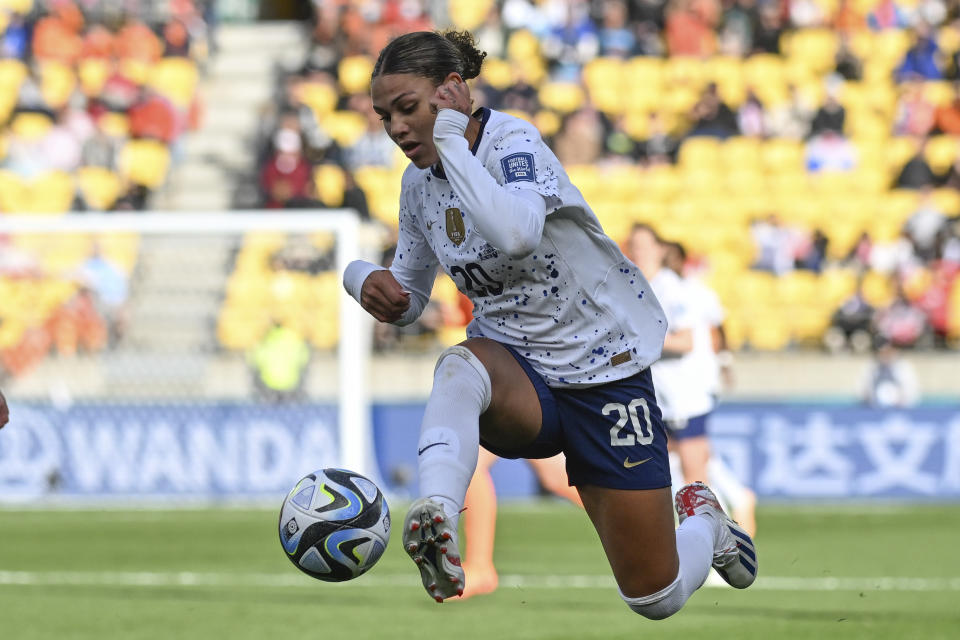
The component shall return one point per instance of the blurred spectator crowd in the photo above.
(805, 151)
(95, 97)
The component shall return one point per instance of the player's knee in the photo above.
(659, 605)
(457, 366)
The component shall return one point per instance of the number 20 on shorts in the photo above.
(642, 434)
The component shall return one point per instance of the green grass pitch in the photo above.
(827, 572)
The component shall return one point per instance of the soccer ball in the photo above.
(334, 525)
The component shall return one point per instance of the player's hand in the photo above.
(4, 411)
(453, 93)
(383, 297)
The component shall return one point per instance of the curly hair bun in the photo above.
(471, 55)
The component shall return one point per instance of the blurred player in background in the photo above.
(480, 516)
(708, 367)
(557, 357)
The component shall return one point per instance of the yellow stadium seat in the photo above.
(662, 182)
(92, 74)
(346, 127)
(57, 82)
(562, 97)
(53, 192)
(330, 182)
(31, 125)
(741, 152)
(604, 81)
(241, 329)
(898, 205)
(836, 285)
(782, 154)
(320, 97)
(99, 187)
(468, 15)
(114, 124)
(764, 72)
(700, 152)
(768, 332)
(798, 288)
(816, 48)
(843, 236)
(354, 73)
(547, 122)
(523, 45)
(685, 70)
(644, 80)
(947, 200)
(497, 72)
(145, 162)
(122, 249)
(807, 325)
(14, 195)
(941, 151)
(176, 79)
(135, 69)
(878, 289)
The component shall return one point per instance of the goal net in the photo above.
(193, 356)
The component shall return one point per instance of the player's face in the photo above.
(402, 100)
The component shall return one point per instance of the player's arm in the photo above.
(511, 221)
(4, 411)
(399, 294)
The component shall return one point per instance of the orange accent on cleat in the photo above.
(438, 599)
(414, 526)
(460, 592)
(443, 550)
(445, 535)
(438, 519)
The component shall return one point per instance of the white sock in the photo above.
(695, 542)
(450, 432)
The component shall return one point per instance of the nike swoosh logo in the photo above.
(631, 465)
(420, 451)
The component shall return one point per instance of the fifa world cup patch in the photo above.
(518, 167)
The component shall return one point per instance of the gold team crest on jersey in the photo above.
(455, 229)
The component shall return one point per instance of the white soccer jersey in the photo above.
(576, 307)
(686, 384)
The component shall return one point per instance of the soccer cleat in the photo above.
(431, 542)
(734, 556)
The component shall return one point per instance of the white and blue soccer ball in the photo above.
(334, 525)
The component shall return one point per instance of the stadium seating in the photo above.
(78, 70)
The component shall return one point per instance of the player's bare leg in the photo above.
(656, 568)
(694, 455)
(480, 526)
(478, 386)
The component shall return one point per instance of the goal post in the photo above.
(164, 246)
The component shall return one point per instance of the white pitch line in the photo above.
(293, 580)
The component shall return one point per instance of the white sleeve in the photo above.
(414, 263)
(414, 266)
(511, 221)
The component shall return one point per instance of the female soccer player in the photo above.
(557, 356)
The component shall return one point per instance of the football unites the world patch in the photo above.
(518, 167)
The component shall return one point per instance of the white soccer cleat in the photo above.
(431, 542)
(734, 556)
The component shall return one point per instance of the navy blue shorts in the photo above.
(611, 434)
(687, 427)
